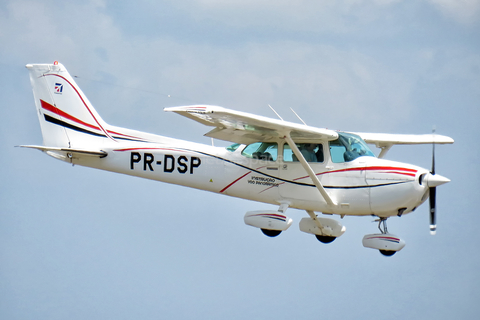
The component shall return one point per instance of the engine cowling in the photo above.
(268, 219)
(387, 243)
(330, 227)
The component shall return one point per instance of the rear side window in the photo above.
(267, 151)
(311, 152)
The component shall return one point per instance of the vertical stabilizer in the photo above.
(67, 118)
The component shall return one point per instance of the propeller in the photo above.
(433, 181)
(433, 196)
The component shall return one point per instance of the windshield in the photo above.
(348, 147)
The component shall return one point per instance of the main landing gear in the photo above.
(387, 243)
(272, 223)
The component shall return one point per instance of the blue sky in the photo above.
(79, 243)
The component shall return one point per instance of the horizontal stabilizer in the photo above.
(68, 153)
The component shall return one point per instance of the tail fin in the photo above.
(67, 118)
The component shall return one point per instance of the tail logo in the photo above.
(58, 88)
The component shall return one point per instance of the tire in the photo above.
(387, 253)
(325, 239)
(271, 233)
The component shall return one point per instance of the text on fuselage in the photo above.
(169, 162)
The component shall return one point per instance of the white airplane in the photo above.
(273, 161)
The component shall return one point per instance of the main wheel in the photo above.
(271, 233)
(325, 239)
(387, 253)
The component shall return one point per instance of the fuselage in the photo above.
(363, 186)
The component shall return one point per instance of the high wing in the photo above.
(246, 128)
(385, 140)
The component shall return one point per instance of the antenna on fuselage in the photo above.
(298, 116)
(276, 112)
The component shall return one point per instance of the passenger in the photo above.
(308, 152)
(319, 153)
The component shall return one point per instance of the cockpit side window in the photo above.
(267, 151)
(337, 150)
(348, 147)
(312, 152)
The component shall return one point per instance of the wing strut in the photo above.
(309, 170)
(384, 150)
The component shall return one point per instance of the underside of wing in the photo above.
(245, 128)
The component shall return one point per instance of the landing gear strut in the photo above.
(382, 225)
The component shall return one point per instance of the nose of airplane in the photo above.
(434, 180)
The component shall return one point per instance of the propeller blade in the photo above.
(433, 155)
(433, 194)
(433, 216)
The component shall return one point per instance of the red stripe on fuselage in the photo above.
(372, 169)
(397, 170)
(231, 184)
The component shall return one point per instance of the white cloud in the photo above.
(462, 11)
(336, 84)
(47, 31)
(328, 16)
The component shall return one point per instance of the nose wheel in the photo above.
(382, 226)
(387, 244)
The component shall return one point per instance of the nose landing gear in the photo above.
(382, 225)
(387, 243)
